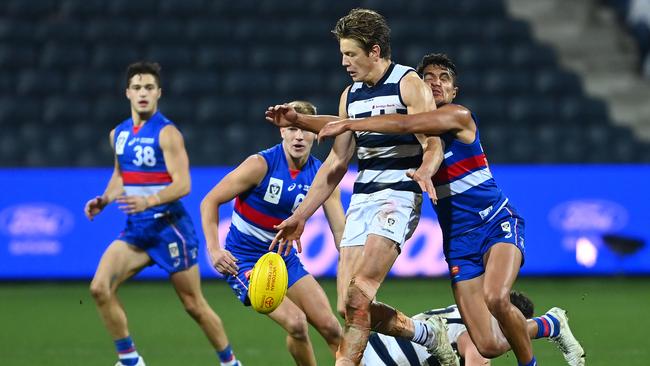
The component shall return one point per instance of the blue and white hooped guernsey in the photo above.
(383, 159)
(141, 161)
(467, 193)
(268, 204)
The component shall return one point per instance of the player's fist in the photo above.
(94, 206)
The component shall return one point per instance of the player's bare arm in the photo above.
(246, 176)
(284, 115)
(327, 179)
(113, 190)
(178, 167)
(431, 160)
(335, 216)
(418, 98)
(448, 118)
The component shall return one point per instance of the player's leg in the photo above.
(502, 263)
(379, 254)
(294, 321)
(307, 294)
(554, 325)
(187, 284)
(481, 326)
(119, 262)
(348, 261)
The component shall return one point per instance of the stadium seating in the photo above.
(62, 81)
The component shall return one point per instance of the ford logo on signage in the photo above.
(588, 215)
(36, 220)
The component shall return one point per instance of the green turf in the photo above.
(57, 324)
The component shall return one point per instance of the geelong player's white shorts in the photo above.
(391, 214)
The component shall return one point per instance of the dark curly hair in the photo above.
(523, 303)
(437, 59)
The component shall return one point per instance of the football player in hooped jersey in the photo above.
(267, 188)
(151, 174)
(483, 236)
(385, 350)
(386, 200)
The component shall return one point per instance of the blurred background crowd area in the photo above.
(551, 81)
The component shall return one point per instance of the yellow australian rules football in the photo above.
(267, 284)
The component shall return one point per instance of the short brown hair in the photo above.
(145, 68)
(303, 107)
(367, 27)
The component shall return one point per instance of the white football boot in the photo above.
(140, 362)
(573, 352)
(438, 342)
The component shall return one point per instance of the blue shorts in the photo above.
(464, 253)
(239, 283)
(170, 240)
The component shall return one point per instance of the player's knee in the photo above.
(194, 306)
(100, 291)
(497, 301)
(488, 348)
(357, 302)
(296, 326)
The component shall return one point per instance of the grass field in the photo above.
(57, 324)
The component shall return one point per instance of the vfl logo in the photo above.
(120, 142)
(505, 226)
(173, 250)
(391, 221)
(273, 191)
(268, 302)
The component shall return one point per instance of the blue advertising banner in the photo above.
(580, 220)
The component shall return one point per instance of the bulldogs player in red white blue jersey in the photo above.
(386, 201)
(151, 174)
(267, 188)
(483, 234)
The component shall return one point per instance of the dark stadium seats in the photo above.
(62, 63)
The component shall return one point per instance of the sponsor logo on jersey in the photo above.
(273, 191)
(291, 187)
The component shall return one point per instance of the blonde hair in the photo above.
(303, 107)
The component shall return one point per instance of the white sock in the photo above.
(421, 332)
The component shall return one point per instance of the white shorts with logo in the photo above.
(391, 214)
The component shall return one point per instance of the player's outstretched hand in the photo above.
(132, 204)
(281, 115)
(289, 232)
(224, 262)
(333, 129)
(423, 178)
(94, 207)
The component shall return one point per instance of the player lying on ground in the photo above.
(386, 350)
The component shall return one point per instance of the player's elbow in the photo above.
(208, 204)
